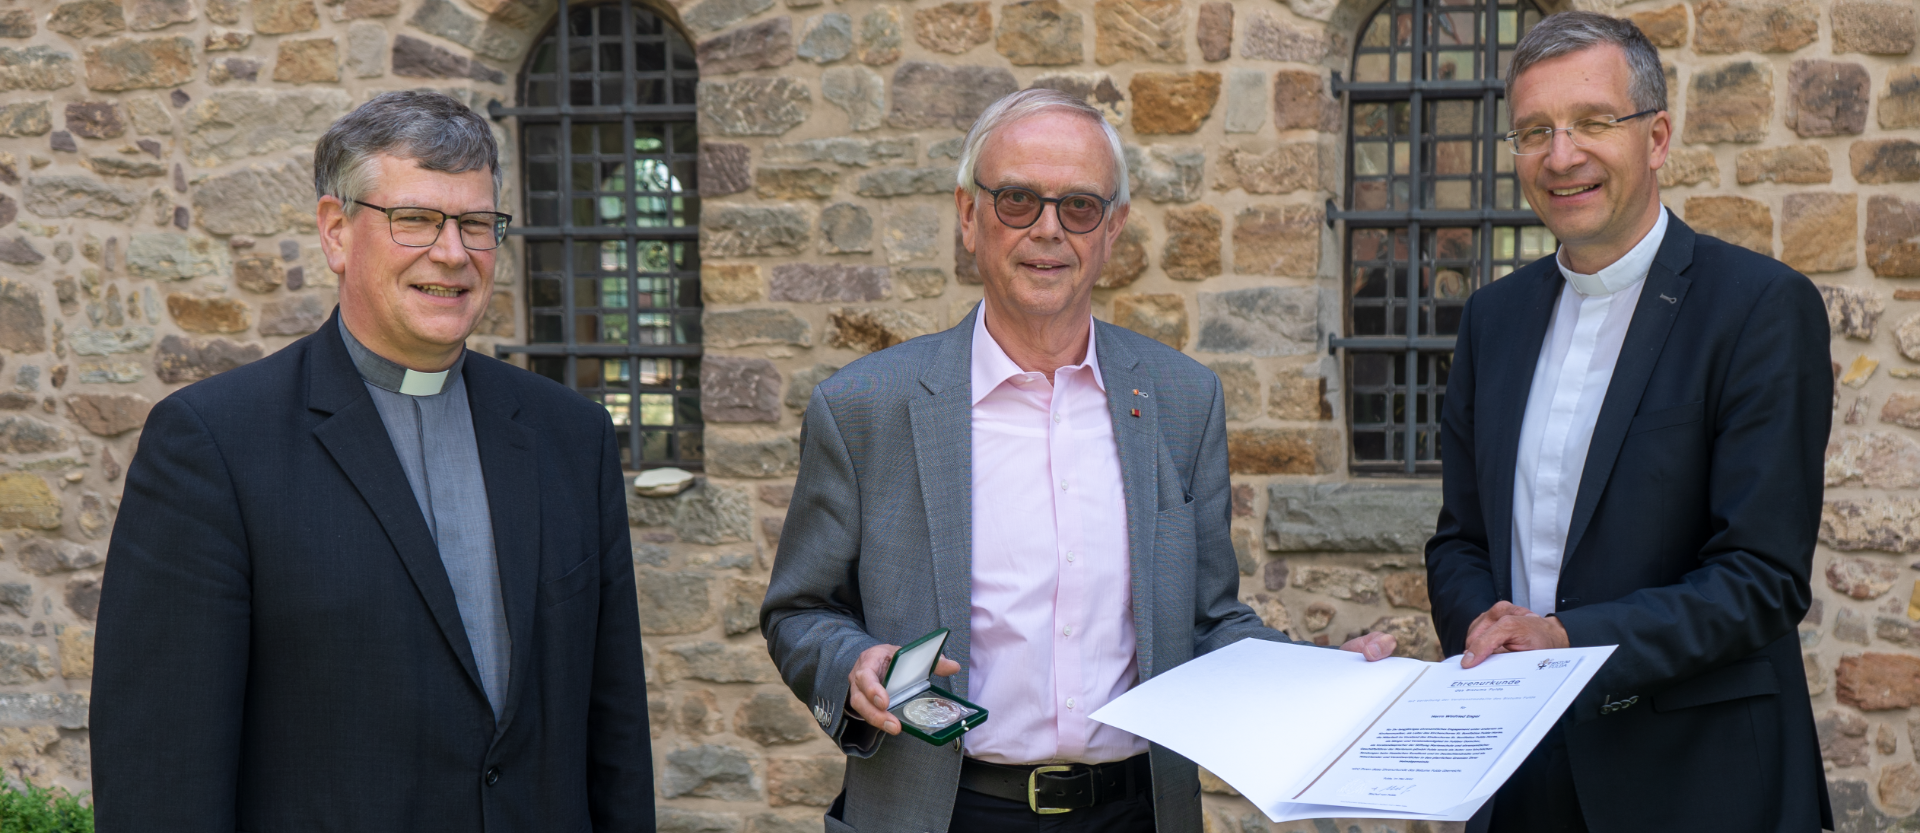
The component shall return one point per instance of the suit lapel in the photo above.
(943, 450)
(513, 499)
(1660, 302)
(1509, 374)
(1137, 439)
(358, 442)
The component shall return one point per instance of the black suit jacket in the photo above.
(279, 648)
(1692, 535)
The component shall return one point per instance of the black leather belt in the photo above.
(1059, 788)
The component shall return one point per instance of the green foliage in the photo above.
(30, 809)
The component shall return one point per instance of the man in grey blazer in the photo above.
(1051, 489)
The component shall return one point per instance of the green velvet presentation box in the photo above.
(927, 711)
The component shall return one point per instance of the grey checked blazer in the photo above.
(877, 549)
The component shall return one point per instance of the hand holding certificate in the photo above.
(1340, 736)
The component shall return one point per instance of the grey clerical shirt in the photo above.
(431, 426)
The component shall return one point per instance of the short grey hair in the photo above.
(1569, 32)
(1026, 104)
(432, 129)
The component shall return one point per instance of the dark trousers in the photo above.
(977, 813)
(1539, 798)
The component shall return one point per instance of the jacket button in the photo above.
(493, 776)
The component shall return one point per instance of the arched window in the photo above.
(608, 154)
(1426, 109)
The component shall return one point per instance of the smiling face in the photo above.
(414, 306)
(1042, 271)
(1602, 199)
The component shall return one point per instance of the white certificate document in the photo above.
(1338, 736)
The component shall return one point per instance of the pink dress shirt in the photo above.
(1052, 602)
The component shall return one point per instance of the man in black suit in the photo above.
(374, 582)
(1633, 438)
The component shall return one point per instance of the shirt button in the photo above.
(1056, 419)
(1069, 702)
(1063, 485)
(493, 776)
(1068, 630)
(1069, 556)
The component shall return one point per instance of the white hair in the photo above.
(1026, 104)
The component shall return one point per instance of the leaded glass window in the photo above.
(1433, 212)
(612, 223)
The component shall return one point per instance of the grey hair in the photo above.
(1026, 104)
(1569, 32)
(432, 129)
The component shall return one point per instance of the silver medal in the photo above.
(934, 712)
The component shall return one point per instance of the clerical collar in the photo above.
(1630, 269)
(386, 375)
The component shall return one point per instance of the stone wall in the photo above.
(155, 219)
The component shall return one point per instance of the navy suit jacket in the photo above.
(279, 647)
(1692, 535)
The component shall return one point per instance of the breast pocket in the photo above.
(1667, 418)
(570, 586)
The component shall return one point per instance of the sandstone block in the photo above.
(1826, 98)
(1726, 26)
(1172, 102)
(673, 602)
(1796, 164)
(25, 118)
(1161, 317)
(1268, 39)
(901, 182)
(775, 183)
(259, 273)
(1094, 88)
(826, 38)
(26, 501)
(280, 17)
(725, 169)
(1407, 589)
(920, 282)
(753, 106)
(1301, 102)
(132, 64)
(1817, 231)
(1240, 386)
(1876, 459)
(775, 456)
(799, 390)
(1289, 167)
(774, 718)
(714, 15)
(1843, 738)
(23, 324)
(1902, 408)
(1165, 173)
(230, 125)
(87, 18)
(1283, 450)
(1350, 517)
(868, 329)
(932, 95)
(1852, 312)
(1277, 240)
(1729, 103)
(1689, 166)
(912, 234)
(953, 28)
(256, 200)
(189, 360)
(76, 652)
(1877, 681)
(216, 314)
(173, 257)
(1899, 786)
(739, 328)
(1666, 28)
(1192, 251)
(1214, 31)
(1873, 27)
(811, 781)
(1153, 31)
(302, 314)
(1861, 578)
(859, 91)
(845, 228)
(415, 58)
(761, 46)
(742, 611)
(753, 230)
(1893, 251)
(1900, 104)
(1038, 33)
(1339, 582)
(442, 18)
(1246, 101)
(844, 151)
(77, 196)
(816, 283)
(1737, 220)
(366, 49)
(95, 120)
(710, 771)
(109, 415)
(1264, 321)
(1884, 161)
(1127, 262)
(39, 68)
(731, 283)
(1301, 398)
(1886, 524)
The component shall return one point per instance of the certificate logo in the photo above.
(1553, 663)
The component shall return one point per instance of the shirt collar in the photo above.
(992, 366)
(378, 371)
(1630, 269)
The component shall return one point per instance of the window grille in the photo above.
(1432, 213)
(609, 156)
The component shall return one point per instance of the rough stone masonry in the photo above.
(156, 228)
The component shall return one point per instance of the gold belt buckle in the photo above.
(1033, 802)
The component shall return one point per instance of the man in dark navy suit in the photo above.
(1633, 438)
(375, 582)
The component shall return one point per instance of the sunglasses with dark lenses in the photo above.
(1020, 208)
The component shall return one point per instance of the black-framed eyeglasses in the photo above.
(420, 227)
(1020, 208)
(1586, 133)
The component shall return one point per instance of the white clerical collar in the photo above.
(1630, 269)
(385, 374)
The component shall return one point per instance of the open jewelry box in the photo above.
(925, 710)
